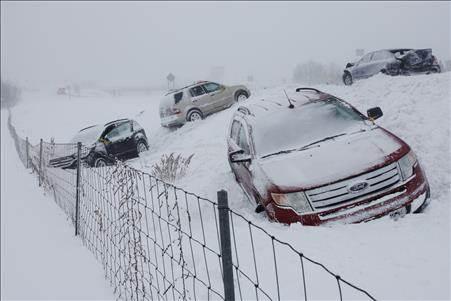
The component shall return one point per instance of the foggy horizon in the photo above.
(139, 43)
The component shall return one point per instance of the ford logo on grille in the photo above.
(358, 187)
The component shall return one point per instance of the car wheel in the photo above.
(241, 96)
(260, 208)
(100, 162)
(347, 79)
(194, 115)
(141, 147)
(436, 70)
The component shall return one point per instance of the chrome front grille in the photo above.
(62, 162)
(330, 196)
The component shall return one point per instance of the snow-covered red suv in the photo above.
(313, 158)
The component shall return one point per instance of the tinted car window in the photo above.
(242, 140)
(197, 91)
(235, 129)
(121, 131)
(211, 87)
(178, 97)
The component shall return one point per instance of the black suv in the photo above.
(102, 144)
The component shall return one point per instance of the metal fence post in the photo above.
(226, 247)
(40, 163)
(27, 151)
(77, 192)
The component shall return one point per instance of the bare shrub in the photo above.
(171, 167)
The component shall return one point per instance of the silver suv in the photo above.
(196, 101)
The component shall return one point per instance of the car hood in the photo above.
(330, 161)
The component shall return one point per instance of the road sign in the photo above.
(171, 81)
(170, 77)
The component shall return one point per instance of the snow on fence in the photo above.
(157, 241)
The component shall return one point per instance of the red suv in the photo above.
(315, 159)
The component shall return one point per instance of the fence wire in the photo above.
(157, 241)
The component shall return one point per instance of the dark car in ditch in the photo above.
(403, 61)
(319, 160)
(103, 144)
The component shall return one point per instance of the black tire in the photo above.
(241, 94)
(347, 79)
(436, 70)
(194, 115)
(141, 146)
(100, 162)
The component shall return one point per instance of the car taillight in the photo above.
(169, 111)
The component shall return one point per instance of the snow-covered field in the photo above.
(41, 258)
(407, 259)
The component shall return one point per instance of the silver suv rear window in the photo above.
(178, 97)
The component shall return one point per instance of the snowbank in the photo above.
(407, 259)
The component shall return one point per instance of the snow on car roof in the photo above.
(265, 106)
(399, 49)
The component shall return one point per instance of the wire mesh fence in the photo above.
(157, 241)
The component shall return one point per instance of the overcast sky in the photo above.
(140, 42)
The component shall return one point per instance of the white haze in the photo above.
(139, 43)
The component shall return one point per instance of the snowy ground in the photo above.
(41, 258)
(407, 259)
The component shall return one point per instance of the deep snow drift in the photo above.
(41, 258)
(407, 259)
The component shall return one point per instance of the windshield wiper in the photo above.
(304, 147)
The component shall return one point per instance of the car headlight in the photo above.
(297, 200)
(406, 165)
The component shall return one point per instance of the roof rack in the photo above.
(173, 91)
(308, 89)
(115, 121)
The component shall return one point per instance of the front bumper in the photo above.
(411, 194)
(63, 162)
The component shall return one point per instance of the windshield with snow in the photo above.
(89, 135)
(291, 129)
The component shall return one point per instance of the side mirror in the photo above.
(349, 65)
(239, 156)
(374, 113)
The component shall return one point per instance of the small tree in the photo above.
(171, 167)
(10, 94)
